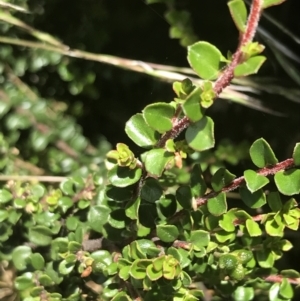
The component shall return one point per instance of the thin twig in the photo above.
(52, 179)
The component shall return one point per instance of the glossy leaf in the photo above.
(238, 13)
(205, 59)
(159, 116)
(124, 176)
(191, 106)
(288, 182)
(156, 160)
(140, 132)
(98, 216)
(261, 153)
(254, 181)
(200, 135)
(251, 66)
(217, 205)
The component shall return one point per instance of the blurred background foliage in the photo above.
(56, 110)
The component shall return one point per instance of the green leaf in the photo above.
(200, 135)
(151, 190)
(152, 273)
(5, 196)
(273, 228)
(288, 182)
(265, 258)
(140, 132)
(20, 256)
(98, 216)
(40, 235)
(228, 261)
(253, 228)
(296, 154)
(138, 268)
(191, 106)
(227, 222)
(124, 176)
(253, 200)
(65, 267)
(199, 238)
(238, 13)
(167, 233)
(243, 294)
(37, 261)
(254, 181)
(251, 66)
(221, 178)
(132, 208)
(184, 197)
(24, 282)
(205, 58)
(274, 201)
(159, 116)
(156, 160)
(217, 205)
(268, 3)
(286, 290)
(261, 153)
(198, 185)
(121, 296)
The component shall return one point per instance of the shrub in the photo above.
(158, 226)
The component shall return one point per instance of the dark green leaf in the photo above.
(37, 261)
(40, 235)
(254, 181)
(140, 132)
(167, 233)
(191, 106)
(20, 256)
(184, 197)
(221, 178)
(261, 154)
(288, 182)
(159, 116)
(98, 216)
(217, 205)
(156, 160)
(199, 238)
(124, 176)
(205, 59)
(274, 201)
(198, 185)
(200, 135)
(151, 190)
(253, 200)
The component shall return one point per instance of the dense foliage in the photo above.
(169, 222)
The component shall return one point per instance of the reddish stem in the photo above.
(266, 171)
(224, 80)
